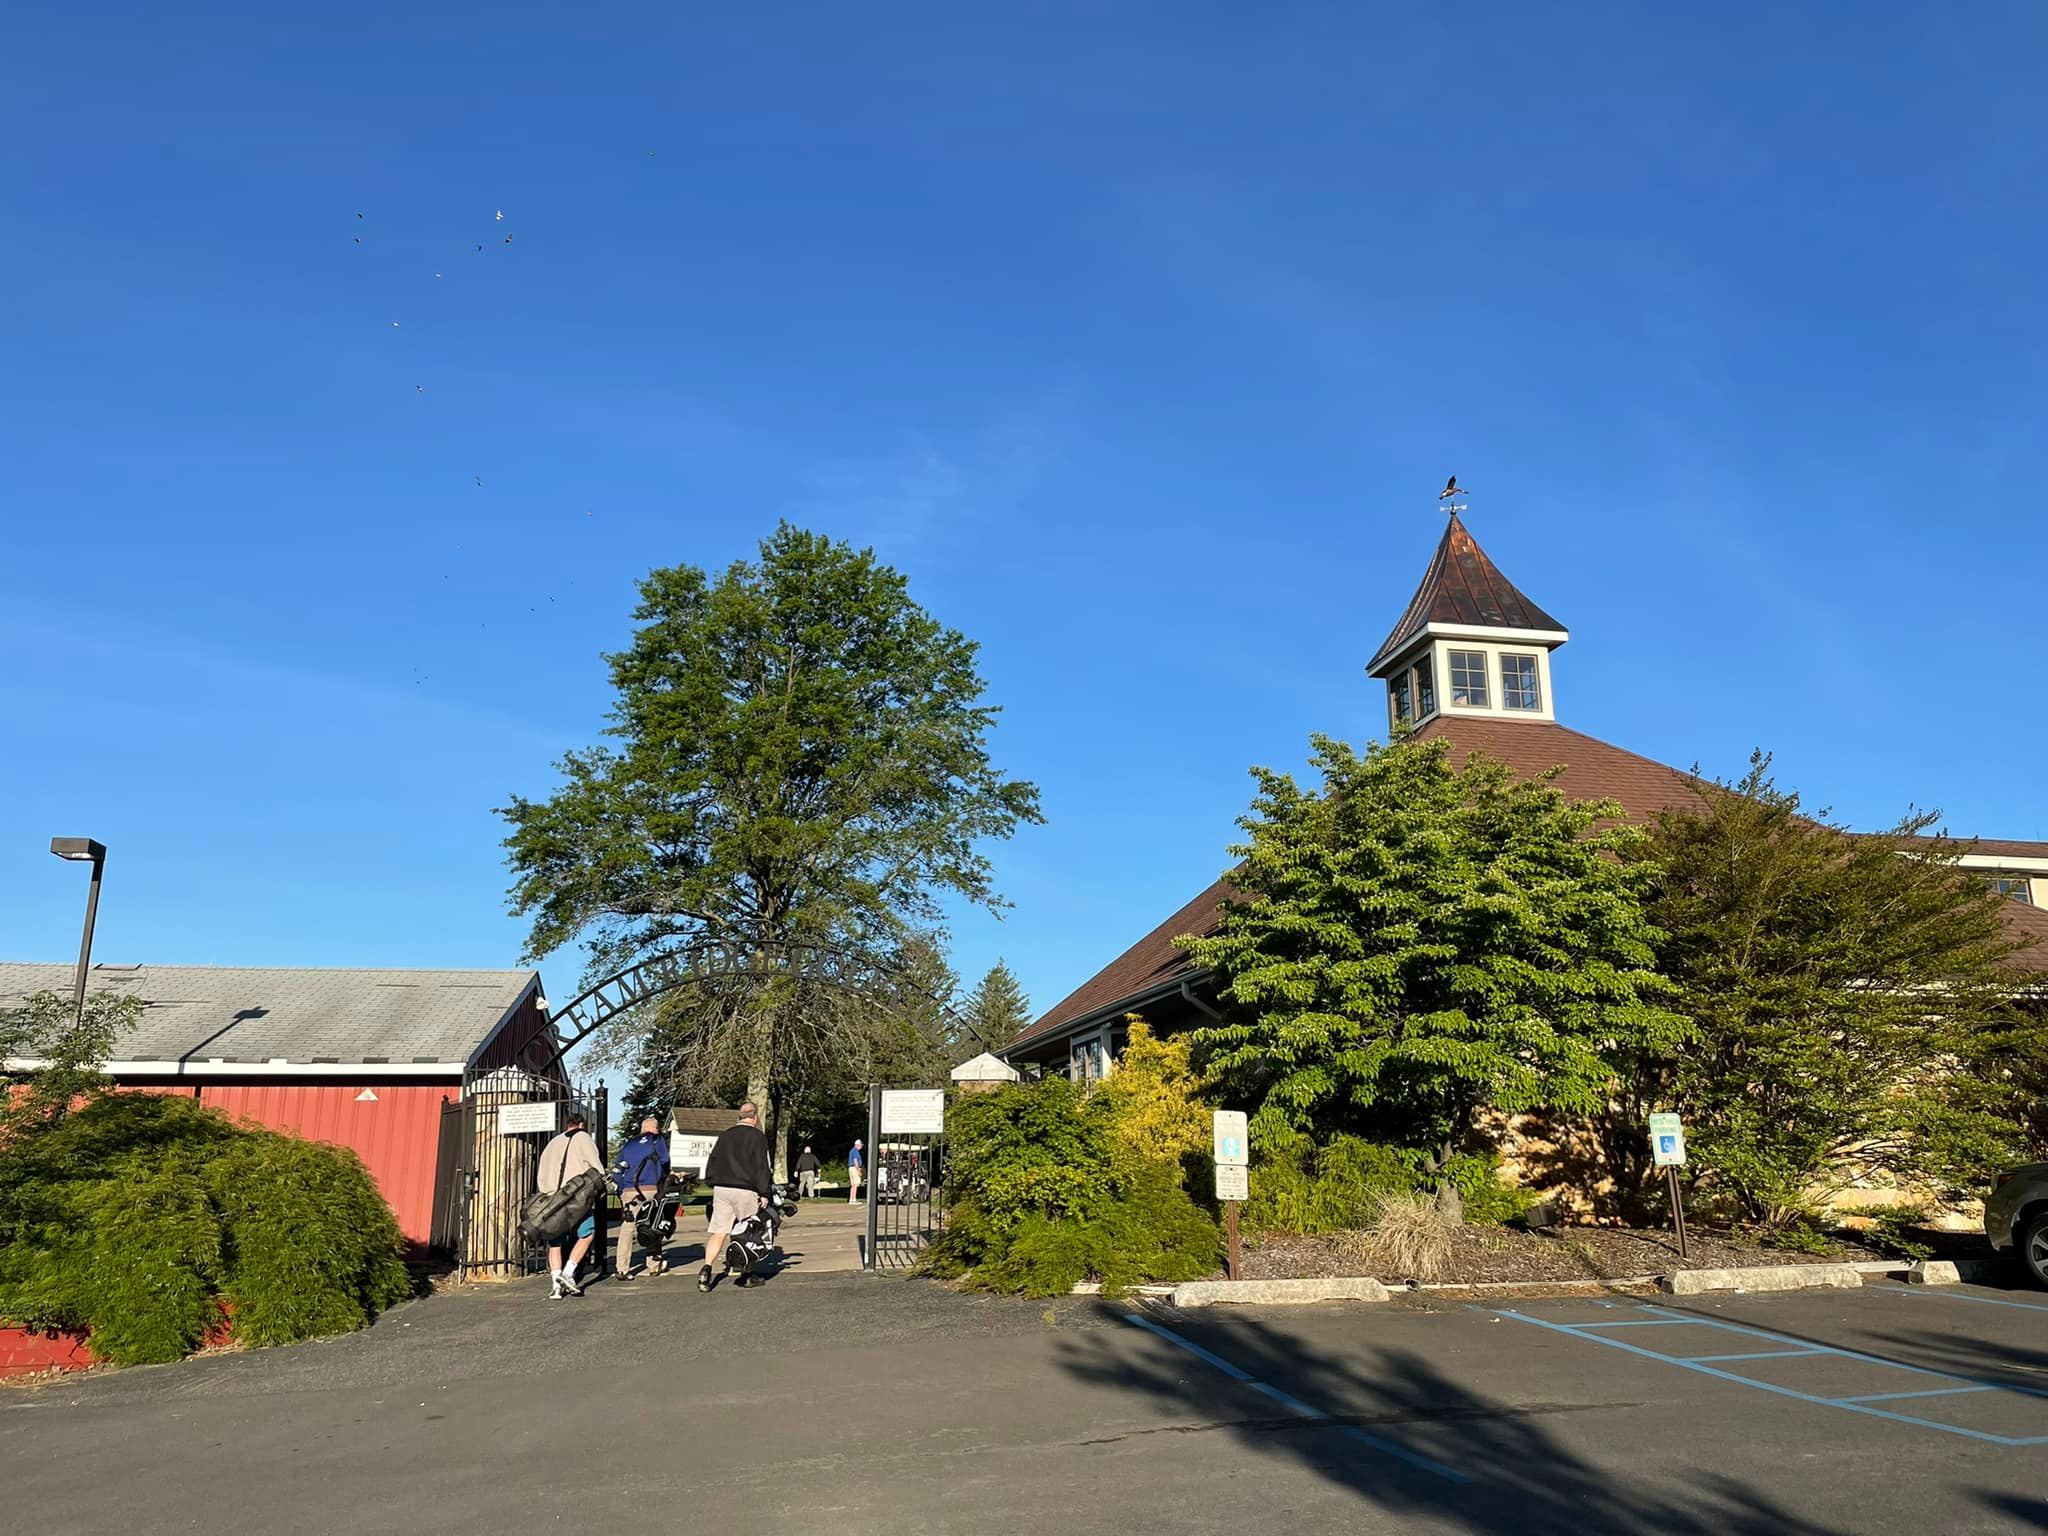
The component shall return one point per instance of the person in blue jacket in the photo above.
(638, 1176)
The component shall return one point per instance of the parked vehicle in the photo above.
(2016, 1217)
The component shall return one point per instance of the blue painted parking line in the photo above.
(1980, 1301)
(1858, 1405)
(1661, 1322)
(1296, 1406)
(1886, 1397)
(1761, 1354)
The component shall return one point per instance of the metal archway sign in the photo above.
(597, 1005)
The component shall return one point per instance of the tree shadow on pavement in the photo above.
(1969, 1355)
(1522, 1479)
(2028, 1511)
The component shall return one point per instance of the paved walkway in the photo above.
(824, 1237)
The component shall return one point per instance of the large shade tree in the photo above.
(1421, 942)
(798, 774)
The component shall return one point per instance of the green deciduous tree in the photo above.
(1853, 996)
(71, 1050)
(1423, 941)
(996, 1011)
(799, 772)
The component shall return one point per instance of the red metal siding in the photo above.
(396, 1134)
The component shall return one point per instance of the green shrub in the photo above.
(137, 1214)
(1488, 1201)
(1338, 1186)
(310, 1246)
(1045, 1194)
(1800, 1237)
(1890, 1228)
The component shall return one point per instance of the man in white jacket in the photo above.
(572, 1151)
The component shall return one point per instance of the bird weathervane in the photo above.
(1452, 497)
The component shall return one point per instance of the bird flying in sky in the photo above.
(1450, 489)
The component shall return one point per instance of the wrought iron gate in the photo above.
(489, 1153)
(905, 1174)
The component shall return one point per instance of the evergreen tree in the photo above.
(1855, 1006)
(1422, 943)
(996, 1011)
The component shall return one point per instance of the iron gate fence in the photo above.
(906, 1174)
(488, 1157)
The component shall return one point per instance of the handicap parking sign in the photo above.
(1667, 1142)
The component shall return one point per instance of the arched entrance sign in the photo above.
(596, 1006)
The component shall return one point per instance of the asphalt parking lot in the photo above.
(851, 1404)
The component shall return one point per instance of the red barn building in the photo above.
(359, 1059)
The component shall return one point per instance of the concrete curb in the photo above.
(1276, 1293)
(1954, 1271)
(1764, 1277)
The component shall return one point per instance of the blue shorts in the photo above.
(587, 1227)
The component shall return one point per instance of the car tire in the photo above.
(2033, 1246)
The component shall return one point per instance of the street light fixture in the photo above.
(79, 850)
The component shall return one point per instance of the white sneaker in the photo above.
(555, 1290)
(568, 1283)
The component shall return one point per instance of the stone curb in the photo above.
(1764, 1277)
(1276, 1293)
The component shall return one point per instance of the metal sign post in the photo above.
(1667, 1151)
(1233, 1177)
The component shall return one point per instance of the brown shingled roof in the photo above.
(1462, 586)
(1152, 962)
(1593, 770)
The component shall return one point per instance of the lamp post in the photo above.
(79, 850)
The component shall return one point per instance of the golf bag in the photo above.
(548, 1216)
(752, 1243)
(656, 1217)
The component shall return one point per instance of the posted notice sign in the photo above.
(1233, 1181)
(1232, 1147)
(691, 1152)
(913, 1111)
(1667, 1142)
(515, 1119)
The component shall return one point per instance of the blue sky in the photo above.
(1141, 336)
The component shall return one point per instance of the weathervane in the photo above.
(1452, 497)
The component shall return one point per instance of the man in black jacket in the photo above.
(741, 1175)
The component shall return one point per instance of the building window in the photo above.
(1468, 678)
(1088, 1059)
(1400, 700)
(1425, 689)
(2018, 887)
(1518, 686)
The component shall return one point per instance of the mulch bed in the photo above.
(1483, 1255)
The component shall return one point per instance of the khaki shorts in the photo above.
(731, 1205)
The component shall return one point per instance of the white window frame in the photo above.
(1485, 678)
(1535, 706)
(1084, 1050)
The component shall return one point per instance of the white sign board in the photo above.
(913, 1111)
(1667, 1142)
(691, 1152)
(1233, 1181)
(1232, 1147)
(513, 1119)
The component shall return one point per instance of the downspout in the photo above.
(1188, 996)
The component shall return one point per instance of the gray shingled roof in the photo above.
(246, 1014)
